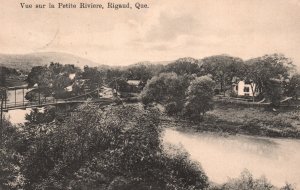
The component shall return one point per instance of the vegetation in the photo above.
(223, 69)
(117, 147)
(199, 97)
(165, 88)
(247, 182)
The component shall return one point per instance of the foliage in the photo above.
(273, 91)
(119, 84)
(93, 77)
(199, 97)
(9, 159)
(247, 182)
(293, 86)
(287, 187)
(223, 69)
(116, 147)
(142, 71)
(47, 115)
(183, 66)
(172, 108)
(166, 88)
(263, 71)
(51, 80)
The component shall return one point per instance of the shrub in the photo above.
(247, 182)
(199, 97)
(172, 108)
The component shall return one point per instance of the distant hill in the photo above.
(26, 61)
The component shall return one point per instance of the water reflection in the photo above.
(223, 157)
(17, 116)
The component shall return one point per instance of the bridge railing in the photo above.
(10, 105)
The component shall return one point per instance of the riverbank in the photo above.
(233, 119)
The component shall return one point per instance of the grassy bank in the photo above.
(234, 119)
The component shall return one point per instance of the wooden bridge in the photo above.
(41, 102)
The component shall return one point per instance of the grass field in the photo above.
(242, 120)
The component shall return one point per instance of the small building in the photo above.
(134, 82)
(134, 85)
(242, 88)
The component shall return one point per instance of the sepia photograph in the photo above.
(150, 95)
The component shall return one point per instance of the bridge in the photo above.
(48, 101)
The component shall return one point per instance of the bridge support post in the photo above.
(39, 97)
(1, 121)
(2, 94)
(23, 97)
(5, 99)
(15, 97)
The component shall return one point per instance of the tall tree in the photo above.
(292, 88)
(199, 97)
(223, 69)
(263, 71)
(183, 66)
(166, 88)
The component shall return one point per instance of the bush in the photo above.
(173, 108)
(199, 98)
(167, 88)
(247, 182)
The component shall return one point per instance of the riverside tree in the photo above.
(167, 89)
(292, 88)
(269, 72)
(222, 68)
(199, 97)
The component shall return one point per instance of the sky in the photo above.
(167, 30)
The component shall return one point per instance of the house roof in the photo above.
(134, 82)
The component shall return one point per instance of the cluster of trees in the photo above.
(186, 94)
(50, 80)
(114, 148)
(272, 77)
(187, 85)
(266, 72)
(54, 79)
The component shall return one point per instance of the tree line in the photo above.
(272, 77)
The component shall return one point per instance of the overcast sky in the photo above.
(168, 30)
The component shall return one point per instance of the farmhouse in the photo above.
(242, 88)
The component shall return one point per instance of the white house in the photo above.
(242, 88)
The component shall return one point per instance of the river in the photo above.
(224, 157)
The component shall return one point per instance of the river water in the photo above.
(227, 156)
(16, 116)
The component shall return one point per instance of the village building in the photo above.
(243, 88)
(134, 85)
